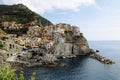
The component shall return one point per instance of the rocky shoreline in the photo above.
(100, 58)
(23, 65)
(58, 63)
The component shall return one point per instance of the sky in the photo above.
(97, 19)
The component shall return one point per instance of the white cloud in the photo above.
(42, 6)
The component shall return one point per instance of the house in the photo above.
(49, 44)
(76, 31)
(24, 51)
(50, 30)
(21, 41)
(62, 31)
(27, 41)
(39, 41)
(61, 40)
(10, 44)
(27, 25)
(5, 24)
(34, 31)
(11, 25)
(59, 30)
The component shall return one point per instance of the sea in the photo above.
(84, 68)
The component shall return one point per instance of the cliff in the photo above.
(44, 45)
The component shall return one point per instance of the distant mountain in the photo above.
(21, 14)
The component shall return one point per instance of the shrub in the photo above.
(1, 46)
(7, 73)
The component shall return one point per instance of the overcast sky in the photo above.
(97, 19)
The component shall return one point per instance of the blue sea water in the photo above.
(84, 68)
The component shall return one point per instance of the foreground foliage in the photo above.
(7, 73)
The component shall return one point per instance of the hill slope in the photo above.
(21, 14)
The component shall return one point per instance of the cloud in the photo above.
(42, 6)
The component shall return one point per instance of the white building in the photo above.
(76, 31)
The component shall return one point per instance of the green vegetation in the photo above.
(1, 46)
(7, 73)
(16, 31)
(21, 14)
(33, 76)
(4, 38)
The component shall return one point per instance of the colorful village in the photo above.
(37, 36)
(43, 38)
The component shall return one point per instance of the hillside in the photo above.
(21, 14)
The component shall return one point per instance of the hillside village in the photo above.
(42, 38)
(36, 35)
